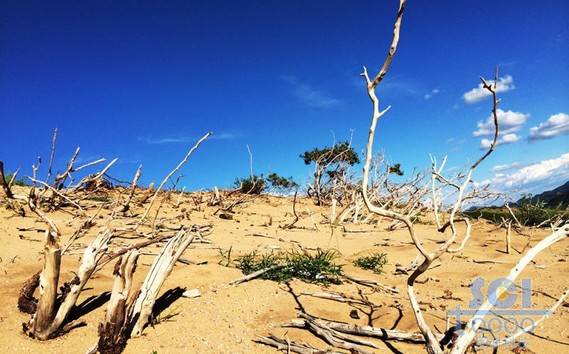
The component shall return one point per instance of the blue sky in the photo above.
(142, 80)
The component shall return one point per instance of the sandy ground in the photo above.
(227, 319)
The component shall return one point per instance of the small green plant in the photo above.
(319, 267)
(373, 262)
(280, 182)
(251, 185)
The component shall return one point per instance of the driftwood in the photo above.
(113, 334)
(127, 318)
(126, 206)
(254, 275)
(334, 338)
(464, 341)
(49, 318)
(176, 169)
(288, 346)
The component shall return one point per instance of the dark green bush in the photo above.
(341, 152)
(280, 182)
(536, 213)
(313, 268)
(396, 169)
(251, 185)
(373, 262)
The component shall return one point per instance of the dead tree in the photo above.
(113, 332)
(126, 206)
(127, 316)
(463, 192)
(169, 175)
(53, 309)
(5, 184)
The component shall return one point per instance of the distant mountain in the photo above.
(552, 198)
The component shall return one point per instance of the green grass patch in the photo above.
(373, 262)
(319, 267)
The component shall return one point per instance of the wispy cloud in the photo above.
(455, 141)
(543, 173)
(510, 123)
(556, 125)
(430, 95)
(506, 167)
(401, 84)
(309, 95)
(185, 139)
(477, 94)
(502, 140)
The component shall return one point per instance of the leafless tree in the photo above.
(463, 191)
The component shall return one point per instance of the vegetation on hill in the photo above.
(558, 197)
(528, 213)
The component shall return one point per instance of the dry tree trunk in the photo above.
(113, 332)
(508, 236)
(169, 175)
(161, 268)
(59, 181)
(49, 319)
(49, 279)
(5, 185)
(127, 315)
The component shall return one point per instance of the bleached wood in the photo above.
(169, 175)
(126, 205)
(467, 337)
(49, 279)
(160, 269)
(91, 256)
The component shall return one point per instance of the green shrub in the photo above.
(251, 185)
(280, 182)
(396, 169)
(374, 262)
(340, 152)
(313, 268)
(528, 213)
(533, 214)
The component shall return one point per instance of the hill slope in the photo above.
(554, 197)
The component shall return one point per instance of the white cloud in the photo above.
(508, 122)
(185, 139)
(556, 125)
(309, 95)
(506, 167)
(430, 95)
(502, 140)
(477, 94)
(546, 172)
